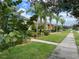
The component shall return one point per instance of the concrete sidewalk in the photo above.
(43, 41)
(67, 49)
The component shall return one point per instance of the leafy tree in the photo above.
(70, 6)
(12, 24)
(7, 9)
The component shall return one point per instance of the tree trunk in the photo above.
(37, 25)
(50, 23)
(56, 26)
(45, 24)
(62, 27)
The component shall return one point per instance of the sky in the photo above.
(25, 6)
(69, 20)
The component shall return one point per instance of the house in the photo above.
(51, 27)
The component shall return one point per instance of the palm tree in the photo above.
(62, 21)
(37, 9)
(46, 13)
(51, 16)
(57, 18)
(45, 21)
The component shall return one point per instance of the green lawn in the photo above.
(58, 37)
(76, 38)
(33, 50)
(28, 51)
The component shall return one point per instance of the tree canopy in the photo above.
(70, 6)
(62, 5)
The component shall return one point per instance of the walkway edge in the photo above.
(42, 41)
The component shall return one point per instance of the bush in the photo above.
(46, 33)
(3, 45)
(34, 34)
(14, 38)
(29, 33)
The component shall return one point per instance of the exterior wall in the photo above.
(50, 27)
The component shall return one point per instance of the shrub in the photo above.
(46, 33)
(34, 34)
(12, 39)
(3, 45)
(29, 33)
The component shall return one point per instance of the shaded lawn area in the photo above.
(28, 51)
(76, 38)
(58, 37)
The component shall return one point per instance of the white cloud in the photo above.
(24, 13)
(21, 9)
(69, 19)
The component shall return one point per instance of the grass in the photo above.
(76, 38)
(58, 37)
(28, 51)
(33, 50)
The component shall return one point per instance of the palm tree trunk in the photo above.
(45, 24)
(37, 25)
(62, 27)
(56, 26)
(41, 26)
(50, 24)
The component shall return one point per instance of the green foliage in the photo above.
(34, 34)
(3, 46)
(29, 33)
(70, 5)
(46, 32)
(12, 24)
(62, 21)
(76, 34)
(13, 38)
(57, 18)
